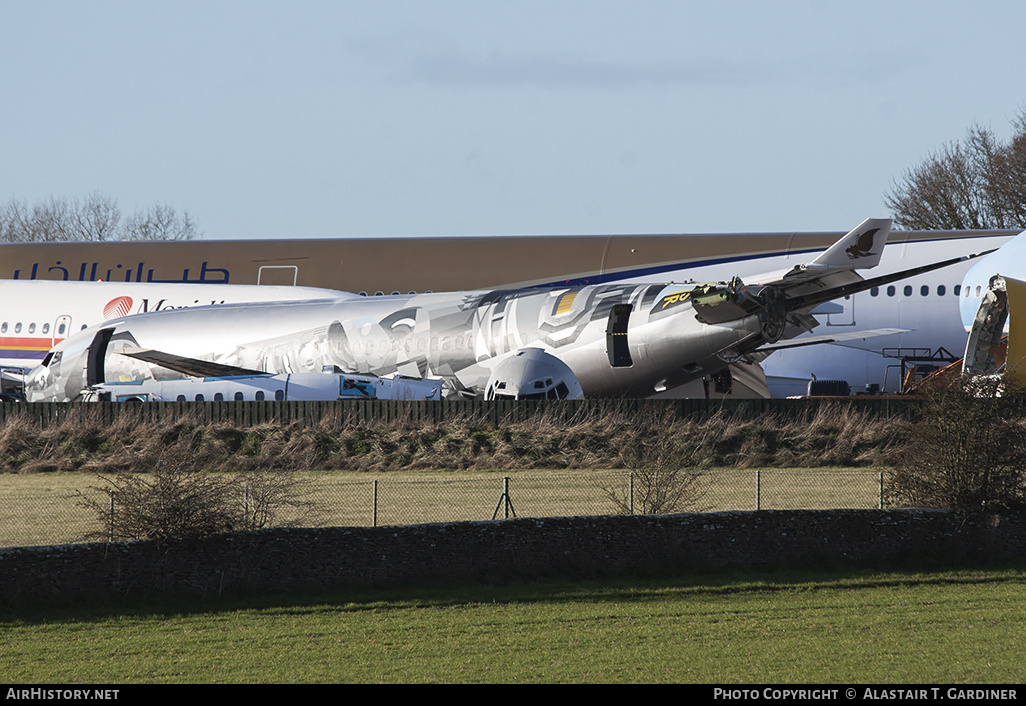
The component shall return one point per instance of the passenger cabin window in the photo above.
(199, 398)
(941, 290)
(238, 397)
(279, 395)
(260, 395)
(218, 397)
(180, 398)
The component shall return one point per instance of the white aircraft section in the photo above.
(616, 339)
(1008, 261)
(285, 387)
(35, 315)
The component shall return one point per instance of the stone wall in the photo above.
(570, 546)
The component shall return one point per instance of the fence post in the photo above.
(881, 490)
(504, 502)
(505, 493)
(630, 490)
(374, 512)
(758, 490)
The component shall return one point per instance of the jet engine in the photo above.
(533, 374)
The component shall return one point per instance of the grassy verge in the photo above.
(45, 508)
(953, 626)
(830, 436)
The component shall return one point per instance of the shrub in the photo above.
(664, 477)
(174, 501)
(968, 450)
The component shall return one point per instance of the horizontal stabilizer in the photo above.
(189, 366)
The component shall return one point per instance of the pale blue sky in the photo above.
(333, 119)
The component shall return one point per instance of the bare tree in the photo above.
(160, 222)
(97, 218)
(664, 476)
(971, 185)
(1008, 183)
(43, 222)
(175, 500)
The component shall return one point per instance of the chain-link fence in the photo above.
(36, 512)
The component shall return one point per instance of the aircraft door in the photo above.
(61, 329)
(843, 317)
(616, 336)
(282, 275)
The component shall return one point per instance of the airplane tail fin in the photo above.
(860, 249)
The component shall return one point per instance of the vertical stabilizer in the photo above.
(860, 249)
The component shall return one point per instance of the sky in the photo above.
(451, 117)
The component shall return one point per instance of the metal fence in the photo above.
(493, 411)
(49, 508)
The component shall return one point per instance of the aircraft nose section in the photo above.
(1008, 261)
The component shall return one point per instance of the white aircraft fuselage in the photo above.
(36, 315)
(925, 307)
(618, 340)
(458, 337)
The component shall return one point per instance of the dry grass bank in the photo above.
(829, 436)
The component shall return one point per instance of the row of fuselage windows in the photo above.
(60, 329)
(924, 291)
(890, 291)
(279, 395)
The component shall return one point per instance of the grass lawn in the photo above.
(45, 508)
(844, 627)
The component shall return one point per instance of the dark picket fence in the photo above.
(253, 413)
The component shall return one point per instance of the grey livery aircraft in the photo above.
(138, 277)
(627, 339)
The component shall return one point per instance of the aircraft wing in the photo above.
(189, 366)
(830, 338)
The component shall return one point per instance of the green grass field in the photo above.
(855, 627)
(44, 508)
